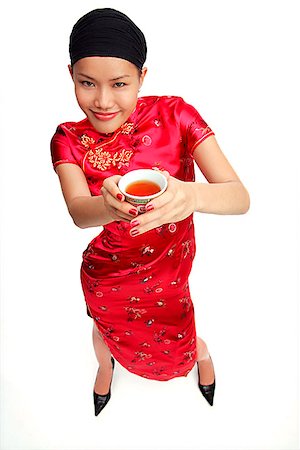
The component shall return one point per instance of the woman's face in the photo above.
(106, 89)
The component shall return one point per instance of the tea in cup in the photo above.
(142, 185)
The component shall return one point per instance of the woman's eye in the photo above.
(87, 83)
(119, 84)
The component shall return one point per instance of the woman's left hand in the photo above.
(175, 204)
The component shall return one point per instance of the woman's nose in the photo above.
(104, 99)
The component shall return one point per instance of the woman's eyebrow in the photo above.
(85, 76)
(121, 76)
(112, 79)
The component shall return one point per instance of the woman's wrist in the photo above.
(90, 212)
(192, 197)
(220, 198)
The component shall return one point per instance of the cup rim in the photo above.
(136, 197)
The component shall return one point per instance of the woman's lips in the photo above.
(105, 116)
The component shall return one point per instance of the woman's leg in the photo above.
(103, 356)
(206, 369)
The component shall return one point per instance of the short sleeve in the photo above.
(61, 150)
(194, 128)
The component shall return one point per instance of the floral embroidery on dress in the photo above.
(161, 303)
(142, 356)
(171, 251)
(159, 371)
(158, 290)
(172, 227)
(108, 332)
(158, 166)
(115, 258)
(154, 288)
(188, 167)
(139, 268)
(99, 294)
(188, 356)
(127, 128)
(87, 141)
(92, 285)
(186, 303)
(134, 299)
(134, 313)
(204, 130)
(104, 159)
(147, 140)
(146, 279)
(181, 335)
(186, 248)
(116, 288)
(149, 322)
(158, 335)
(176, 282)
(147, 250)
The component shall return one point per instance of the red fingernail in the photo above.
(134, 223)
(149, 207)
(133, 212)
(134, 232)
(120, 197)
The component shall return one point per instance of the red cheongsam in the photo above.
(136, 288)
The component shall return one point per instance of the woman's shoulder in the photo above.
(170, 105)
(72, 127)
(160, 99)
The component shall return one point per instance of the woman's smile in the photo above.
(105, 116)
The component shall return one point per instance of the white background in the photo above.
(236, 62)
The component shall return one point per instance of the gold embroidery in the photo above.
(87, 141)
(99, 159)
(127, 128)
(103, 160)
(122, 158)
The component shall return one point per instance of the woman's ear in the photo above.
(142, 76)
(70, 70)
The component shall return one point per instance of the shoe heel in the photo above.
(207, 391)
(100, 401)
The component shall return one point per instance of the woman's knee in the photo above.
(201, 347)
(97, 333)
(201, 342)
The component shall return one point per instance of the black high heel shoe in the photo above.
(207, 390)
(100, 401)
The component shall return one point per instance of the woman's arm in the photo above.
(87, 210)
(224, 193)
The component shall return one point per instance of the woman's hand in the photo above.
(114, 200)
(175, 204)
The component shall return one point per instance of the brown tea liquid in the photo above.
(142, 188)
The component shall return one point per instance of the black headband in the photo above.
(107, 32)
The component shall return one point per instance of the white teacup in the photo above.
(137, 183)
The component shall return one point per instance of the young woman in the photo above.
(135, 273)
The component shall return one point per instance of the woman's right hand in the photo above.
(114, 200)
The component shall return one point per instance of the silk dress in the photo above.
(136, 288)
